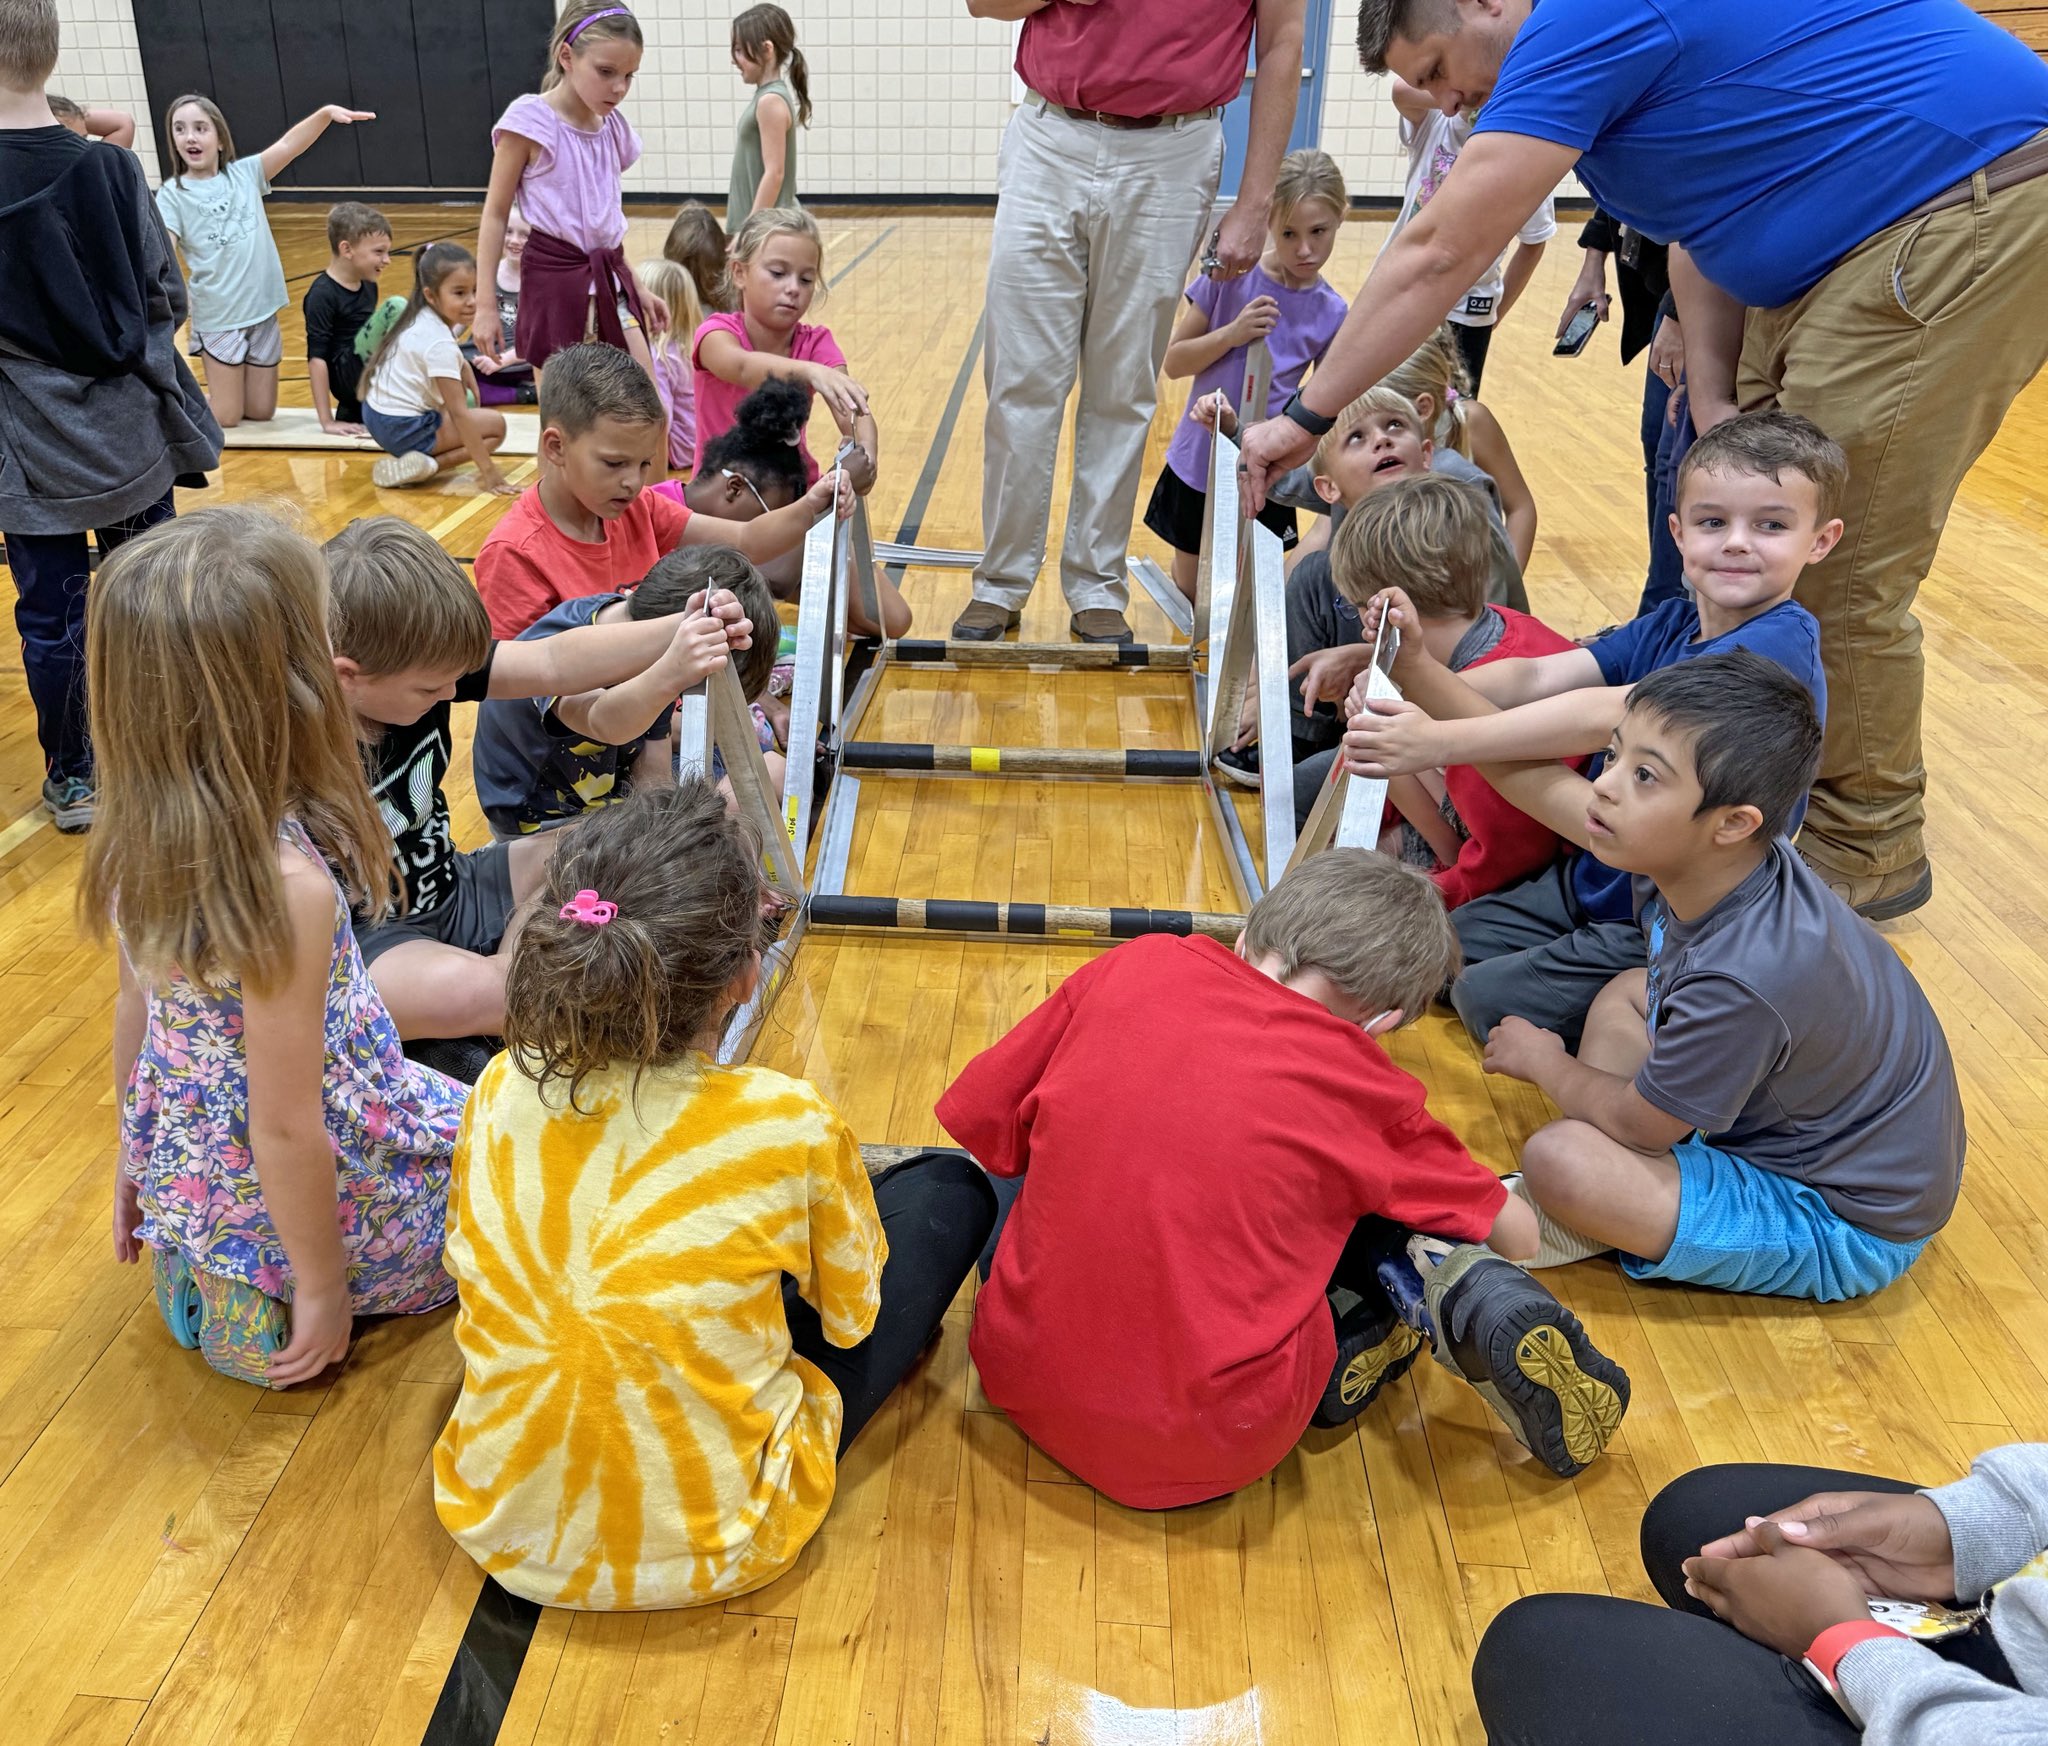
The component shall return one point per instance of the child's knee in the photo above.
(1554, 1159)
(1484, 994)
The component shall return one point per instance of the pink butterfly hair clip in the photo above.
(589, 909)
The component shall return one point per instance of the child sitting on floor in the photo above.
(726, 1298)
(1771, 1105)
(1429, 537)
(589, 525)
(777, 270)
(543, 761)
(336, 305)
(281, 1160)
(417, 386)
(1757, 500)
(410, 638)
(755, 467)
(1200, 1265)
(1283, 301)
(673, 377)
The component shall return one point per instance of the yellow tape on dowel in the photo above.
(984, 759)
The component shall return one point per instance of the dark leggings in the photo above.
(1570, 1669)
(52, 574)
(937, 1210)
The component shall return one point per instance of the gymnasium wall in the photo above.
(912, 95)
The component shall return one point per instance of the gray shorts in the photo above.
(473, 920)
(260, 346)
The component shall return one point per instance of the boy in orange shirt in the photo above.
(590, 526)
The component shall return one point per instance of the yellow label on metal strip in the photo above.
(789, 816)
(984, 759)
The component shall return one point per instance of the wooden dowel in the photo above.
(1017, 760)
(1049, 920)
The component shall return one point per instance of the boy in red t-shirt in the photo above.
(1198, 1266)
(1431, 537)
(590, 526)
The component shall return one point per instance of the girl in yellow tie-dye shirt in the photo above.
(679, 1295)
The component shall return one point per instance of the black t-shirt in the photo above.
(406, 765)
(335, 315)
(31, 158)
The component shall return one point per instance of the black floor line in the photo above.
(479, 1685)
(832, 282)
(935, 457)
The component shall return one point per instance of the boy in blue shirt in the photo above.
(1756, 506)
(1770, 1106)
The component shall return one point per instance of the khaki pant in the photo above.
(1095, 228)
(1907, 354)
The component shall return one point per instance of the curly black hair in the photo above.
(762, 443)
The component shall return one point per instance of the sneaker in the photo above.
(1240, 764)
(177, 1295)
(1374, 1348)
(1100, 624)
(70, 800)
(984, 621)
(1556, 1245)
(460, 1058)
(1494, 1327)
(1879, 897)
(408, 469)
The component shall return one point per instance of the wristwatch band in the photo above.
(1825, 1654)
(1311, 421)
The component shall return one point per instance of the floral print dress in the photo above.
(391, 1121)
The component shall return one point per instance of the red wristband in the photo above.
(1831, 1645)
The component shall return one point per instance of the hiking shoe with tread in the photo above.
(1879, 897)
(394, 472)
(984, 622)
(1370, 1355)
(1100, 624)
(1527, 1356)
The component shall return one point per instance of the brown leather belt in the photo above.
(2022, 164)
(1124, 123)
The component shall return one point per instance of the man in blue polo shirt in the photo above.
(1865, 179)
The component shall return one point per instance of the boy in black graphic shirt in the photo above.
(411, 638)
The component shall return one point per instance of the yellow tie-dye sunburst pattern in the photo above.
(634, 1429)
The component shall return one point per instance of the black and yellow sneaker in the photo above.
(1373, 1349)
(1527, 1356)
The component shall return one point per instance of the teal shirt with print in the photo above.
(231, 262)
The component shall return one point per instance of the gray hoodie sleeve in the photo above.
(1906, 1693)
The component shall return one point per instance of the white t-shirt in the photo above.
(404, 379)
(1433, 145)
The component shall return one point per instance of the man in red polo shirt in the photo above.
(1108, 172)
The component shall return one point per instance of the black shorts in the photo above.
(1176, 510)
(473, 920)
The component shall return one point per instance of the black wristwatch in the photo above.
(1310, 420)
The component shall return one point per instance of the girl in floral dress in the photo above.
(282, 1162)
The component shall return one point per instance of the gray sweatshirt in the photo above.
(1905, 1692)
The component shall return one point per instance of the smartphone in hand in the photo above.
(1578, 331)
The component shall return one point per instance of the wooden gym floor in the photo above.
(184, 1559)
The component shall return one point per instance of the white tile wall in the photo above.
(100, 66)
(911, 96)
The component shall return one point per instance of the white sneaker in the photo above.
(1556, 1245)
(408, 469)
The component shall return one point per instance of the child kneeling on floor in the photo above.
(1198, 1267)
(283, 1163)
(682, 1297)
(1770, 1106)
(541, 762)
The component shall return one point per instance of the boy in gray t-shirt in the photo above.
(1771, 1105)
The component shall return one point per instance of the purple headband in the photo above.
(583, 24)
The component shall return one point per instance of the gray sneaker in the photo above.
(70, 800)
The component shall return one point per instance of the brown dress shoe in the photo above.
(1879, 897)
(984, 622)
(1100, 624)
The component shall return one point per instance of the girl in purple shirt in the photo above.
(1283, 301)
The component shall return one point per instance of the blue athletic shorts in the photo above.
(403, 433)
(1744, 1228)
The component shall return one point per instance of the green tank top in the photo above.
(746, 158)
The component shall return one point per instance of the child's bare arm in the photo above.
(455, 403)
(508, 163)
(1524, 679)
(288, 1141)
(115, 126)
(1491, 451)
(725, 357)
(289, 145)
(131, 1021)
(1551, 793)
(617, 715)
(594, 656)
(1415, 803)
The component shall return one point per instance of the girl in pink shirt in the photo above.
(777, 266)
(561, 155)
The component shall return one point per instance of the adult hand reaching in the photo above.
(1240, 241)
(1269, 448)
